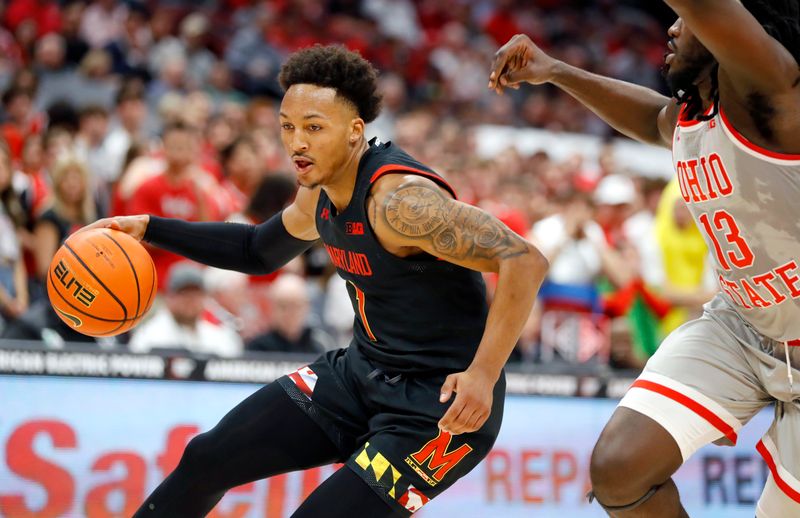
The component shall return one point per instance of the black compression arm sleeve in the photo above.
(253, 249)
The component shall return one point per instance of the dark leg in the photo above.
(633, 455)
(345, 495)
(264, 435)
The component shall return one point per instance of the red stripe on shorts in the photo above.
(692, 405)
(301, 384)
(786, 488)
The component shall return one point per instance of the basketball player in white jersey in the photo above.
(734, 129)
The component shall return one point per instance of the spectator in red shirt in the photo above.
(501, 24)
(137, 167)
(45, 14)
(32, 177)
(21, 120)
(183, 190)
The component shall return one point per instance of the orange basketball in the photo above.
(101, 282)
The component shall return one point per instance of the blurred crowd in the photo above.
(169, 107)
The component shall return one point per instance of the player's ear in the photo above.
(356, 130)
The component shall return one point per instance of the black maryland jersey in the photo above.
(413, 315)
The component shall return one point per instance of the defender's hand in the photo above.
(520, 60)
(473, 402)
(134, 226)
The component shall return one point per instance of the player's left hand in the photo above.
(520, 60)
(473, 402)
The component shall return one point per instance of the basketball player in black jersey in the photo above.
(416, 401)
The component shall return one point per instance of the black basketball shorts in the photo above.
(386, 426)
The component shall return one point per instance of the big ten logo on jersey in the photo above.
(349, 261)
(354, 228)
(704, 178)
(433, 461)
(79, 289)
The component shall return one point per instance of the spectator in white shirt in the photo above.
(578, 253)
(179, 323)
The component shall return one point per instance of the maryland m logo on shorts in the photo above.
(432, 462)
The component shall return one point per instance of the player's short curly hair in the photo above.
(333, 66)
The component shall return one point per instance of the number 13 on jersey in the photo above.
(739, 253)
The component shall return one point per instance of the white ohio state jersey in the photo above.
(746, 202)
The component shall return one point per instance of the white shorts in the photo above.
(709, 378)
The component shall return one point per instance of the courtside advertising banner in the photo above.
(89, 447)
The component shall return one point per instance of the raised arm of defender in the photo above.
(753, 61)
(638, 112)
(252, 249)
(759, 78)
(410, 214)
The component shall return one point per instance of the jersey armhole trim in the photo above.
(741, 140)
(397, 168)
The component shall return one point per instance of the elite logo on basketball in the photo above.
(81, 292)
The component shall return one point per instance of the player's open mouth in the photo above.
(302, 165)
(670, 54)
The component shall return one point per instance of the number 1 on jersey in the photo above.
(361, 298)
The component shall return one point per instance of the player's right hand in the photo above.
(134, 226)
(520, 60)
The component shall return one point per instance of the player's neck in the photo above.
(340, 188)
(706, 93)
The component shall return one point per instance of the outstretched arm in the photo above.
(415, 213)
(252, 249)
(638, 112)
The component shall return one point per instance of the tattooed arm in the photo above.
(411, 214)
